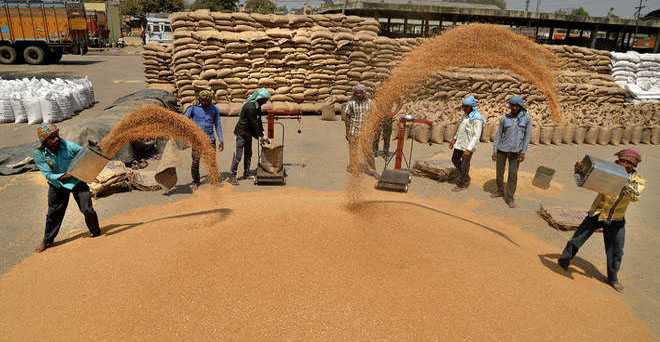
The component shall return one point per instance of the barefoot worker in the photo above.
(249, 126)
(511, 141)
(465, 141)
(207, 116)
(52, 159)
(608, 212)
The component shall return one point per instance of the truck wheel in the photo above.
(8, 55)
(34, 55)
(55, 56)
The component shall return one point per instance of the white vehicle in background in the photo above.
(158, 28)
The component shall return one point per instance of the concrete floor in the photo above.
(317, 159)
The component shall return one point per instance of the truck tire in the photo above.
(55, 56)
(34, 55)
(8, 54)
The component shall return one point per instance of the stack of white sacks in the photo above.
(638, 74)
(38, 100)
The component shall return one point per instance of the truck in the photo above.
(158, 28)
(97, 29)
(39, 32)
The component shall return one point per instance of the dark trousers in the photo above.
(243, 146)
(512, 179)
(194, 169)
(58, 200)
(614, 236)
(463, 165)
(384, 130)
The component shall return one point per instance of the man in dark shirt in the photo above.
(249, 126)
(207, 116)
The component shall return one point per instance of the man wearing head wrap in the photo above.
(207, 116)
(356, 115)
(465, 141)
(249, 126)
(511, 141)
(608, 212)
(53, 158)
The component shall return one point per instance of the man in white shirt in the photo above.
(465, 141)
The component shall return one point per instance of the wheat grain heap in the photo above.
(157, 63)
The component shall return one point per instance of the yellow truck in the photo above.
(39, 32)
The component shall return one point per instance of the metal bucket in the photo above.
(88, 163)
(602, 176)
(543, 177)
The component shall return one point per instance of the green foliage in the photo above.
(216, 5)
(579, 11)
(260, 6)
(139, 8)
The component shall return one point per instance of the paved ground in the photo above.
(317, 159)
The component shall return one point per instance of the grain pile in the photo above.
(211, 268)
(302, 60)
(157, 63)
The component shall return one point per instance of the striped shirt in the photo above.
(356, 112)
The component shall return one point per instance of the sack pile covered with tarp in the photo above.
(303, 61)
(39, 100)
(157, 62)
(638, 74)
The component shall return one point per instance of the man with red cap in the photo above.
(52, 159)
(608, 212)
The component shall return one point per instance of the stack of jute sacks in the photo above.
(304, 61)
(157, 63)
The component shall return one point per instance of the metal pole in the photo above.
(526, 5)
(637, 15)
(538, 6)
(343, 8)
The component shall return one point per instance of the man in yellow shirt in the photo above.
(608, 212)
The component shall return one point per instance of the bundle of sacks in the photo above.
(157, 63)
(303, 61)
(39, 100)
(638, 74)
(577, 58)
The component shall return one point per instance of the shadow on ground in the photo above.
(578, 266)
(113, 229)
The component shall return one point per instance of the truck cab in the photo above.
(158, 29)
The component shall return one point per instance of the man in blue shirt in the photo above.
(52, 159)
(207, 116)
(511, 141)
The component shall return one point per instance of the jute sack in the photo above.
(568, 134)
(165, 174)
(492, 129)
(438, 132)
(627, 135)
(328, 112)
(421, 133)
(450, 131)
(272, 156)
(546, 134)
(591, 137)
(535, 136)
(617, 133)
(636, 137)
(485, 133)
(557, 134)
(604, 135)
(580, 132)
(655, 135)
(646, 135)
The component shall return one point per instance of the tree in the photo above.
(260, 6)
(610, 14)
(139, 8)
(579, 11)
(216, 5)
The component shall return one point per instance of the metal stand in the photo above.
(262, 176)
(397, 179)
